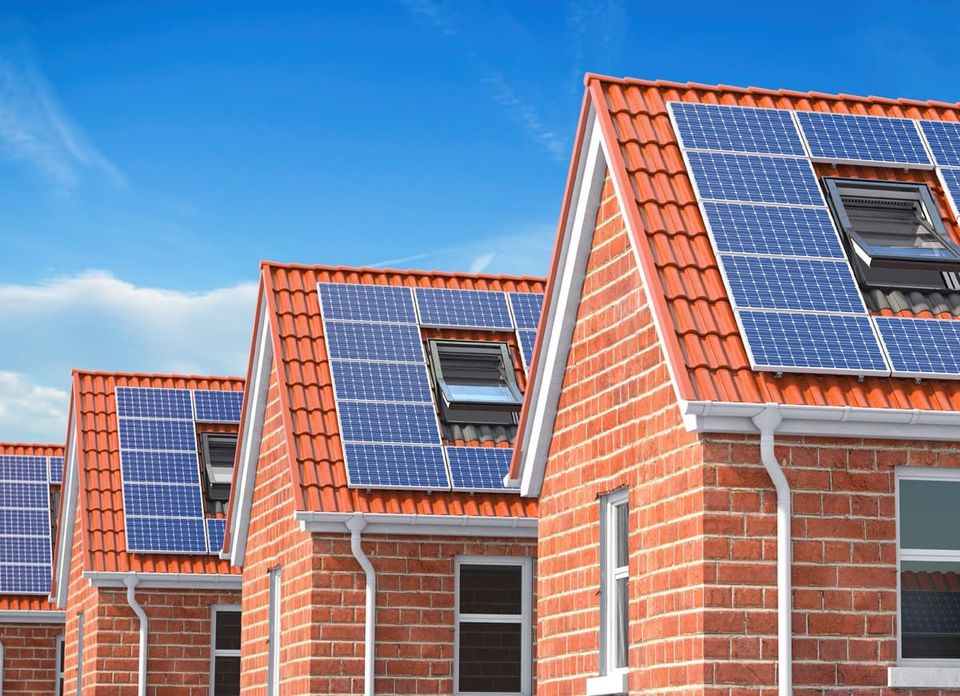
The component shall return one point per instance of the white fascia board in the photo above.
(425, 525)
(165, 581)
(554, 344)
(69, 502)
(31, 616)
(825, 421)
(250, 439)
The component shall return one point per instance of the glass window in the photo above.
(494, 625)
(60, 656)
(219, 450)
(225, 679)
(614, 578)
(928, 517)
(273, 634)
(475, 382)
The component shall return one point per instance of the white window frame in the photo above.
(612, 678)
(275, 580)
(80, 617)
(214, 652)
(525, 619)
(59, 674)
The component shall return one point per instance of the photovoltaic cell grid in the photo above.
(373, 381)
(25, 547)
(763, 282)
(526, 309)
(737, 129)
(479, 468)
(921, 347)
(468, 309)
(528, 340)
(872, 139)
(56, 470)
(951, 181)
(944, 140)
(754, 178)
(216, 528)
(163, 500)
(775, 230)
(372, 303)
(396, 466)
(930, 613)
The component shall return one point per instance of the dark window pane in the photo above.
(622, 634)
(226, 680)
(490, 657)
(490, 589)
(623, 530)
(930, 610)
(929, 514)
(228, 630)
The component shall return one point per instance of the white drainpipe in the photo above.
(356, 525)
(131, 582)
(767, 422)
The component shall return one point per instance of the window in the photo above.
(928, 516)
(219, 450)
(225, 653)
(494, 607)
(614, 575)
(273, 634)
(475, 382)
(54, 511)
(895, 232)
(79, 653)
(59, 668)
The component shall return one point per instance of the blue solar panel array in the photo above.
(793, 291)
(385, 402)
(25, 546)
(863, 139)
(163, 499)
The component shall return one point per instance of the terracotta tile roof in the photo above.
(100, 503)
(318, 468)
(935, 581)
(28, 602)
(705, 346)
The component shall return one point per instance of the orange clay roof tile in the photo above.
(317, 465)
(100, 497)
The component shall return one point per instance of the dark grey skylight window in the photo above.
(475, 382)
(218, 450)
(894, 231)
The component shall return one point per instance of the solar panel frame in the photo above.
(900, 334)
(943, 141)
(213, 406)
(55, 465)
(949, 178)
(758, 179)
(736, 228)
(157, 435)
(814, 124)
(527, 340)
(25, 536)
(488, 310)
(161, 500)
(389, 423)
(25, 579)
(358, 380)
(22, 467)
(373, 342)
(745, 120)
(153, 402)
(153, 532)
(379, 465)
(525, 314)
(216, 530)
(355, 302)
(479, 469)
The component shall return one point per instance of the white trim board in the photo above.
(31, 616)
(425, 525)
(68, 501)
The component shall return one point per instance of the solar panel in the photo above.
(16, 467)
(475, 309)
(754, 179)
(363, 421)
(381, 342)
(479, 468)
(28, 522)
(871, 139)
(150, 434)
(25, 579)
(762, 282)
(951, 181)
(166, 534)
(527, 341)
(56, 470)
(930, 613)
(396, 466)
(526, 309)
(160, 467)
(812, 342)
(944, 140)
(216, 528)
(24, 525)
(217, 406)
(780, 231)
(22, 549)
(736, 129)
(19, 494)
(372, 381)
(921, 347)
(162, 500)
(140, 402)
(369, 303)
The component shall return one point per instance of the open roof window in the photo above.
(894, 231)
(475, 382)
(218, 451)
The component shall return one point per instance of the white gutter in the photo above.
(131, 582)
(32, 616)
(356, 525)
(767, 421)
(165, 581)
(430, 525)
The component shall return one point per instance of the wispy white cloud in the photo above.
(37, 131)
(482, 262)
(95, 320)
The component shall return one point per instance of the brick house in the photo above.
(728, 510)
(136, 562)
(370, 563)
(31, 627)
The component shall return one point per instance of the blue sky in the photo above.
(152, 153)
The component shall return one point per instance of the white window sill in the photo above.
(608, 684)
(923, 677)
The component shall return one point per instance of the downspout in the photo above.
(767, 422)
(356, 525)
(131, 582)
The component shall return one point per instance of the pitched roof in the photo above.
(290, 299)
(100, 494)
(28, 602)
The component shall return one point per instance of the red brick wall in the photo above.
(29, 657)
(323, 597)
(81, 598)
(617, 425)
